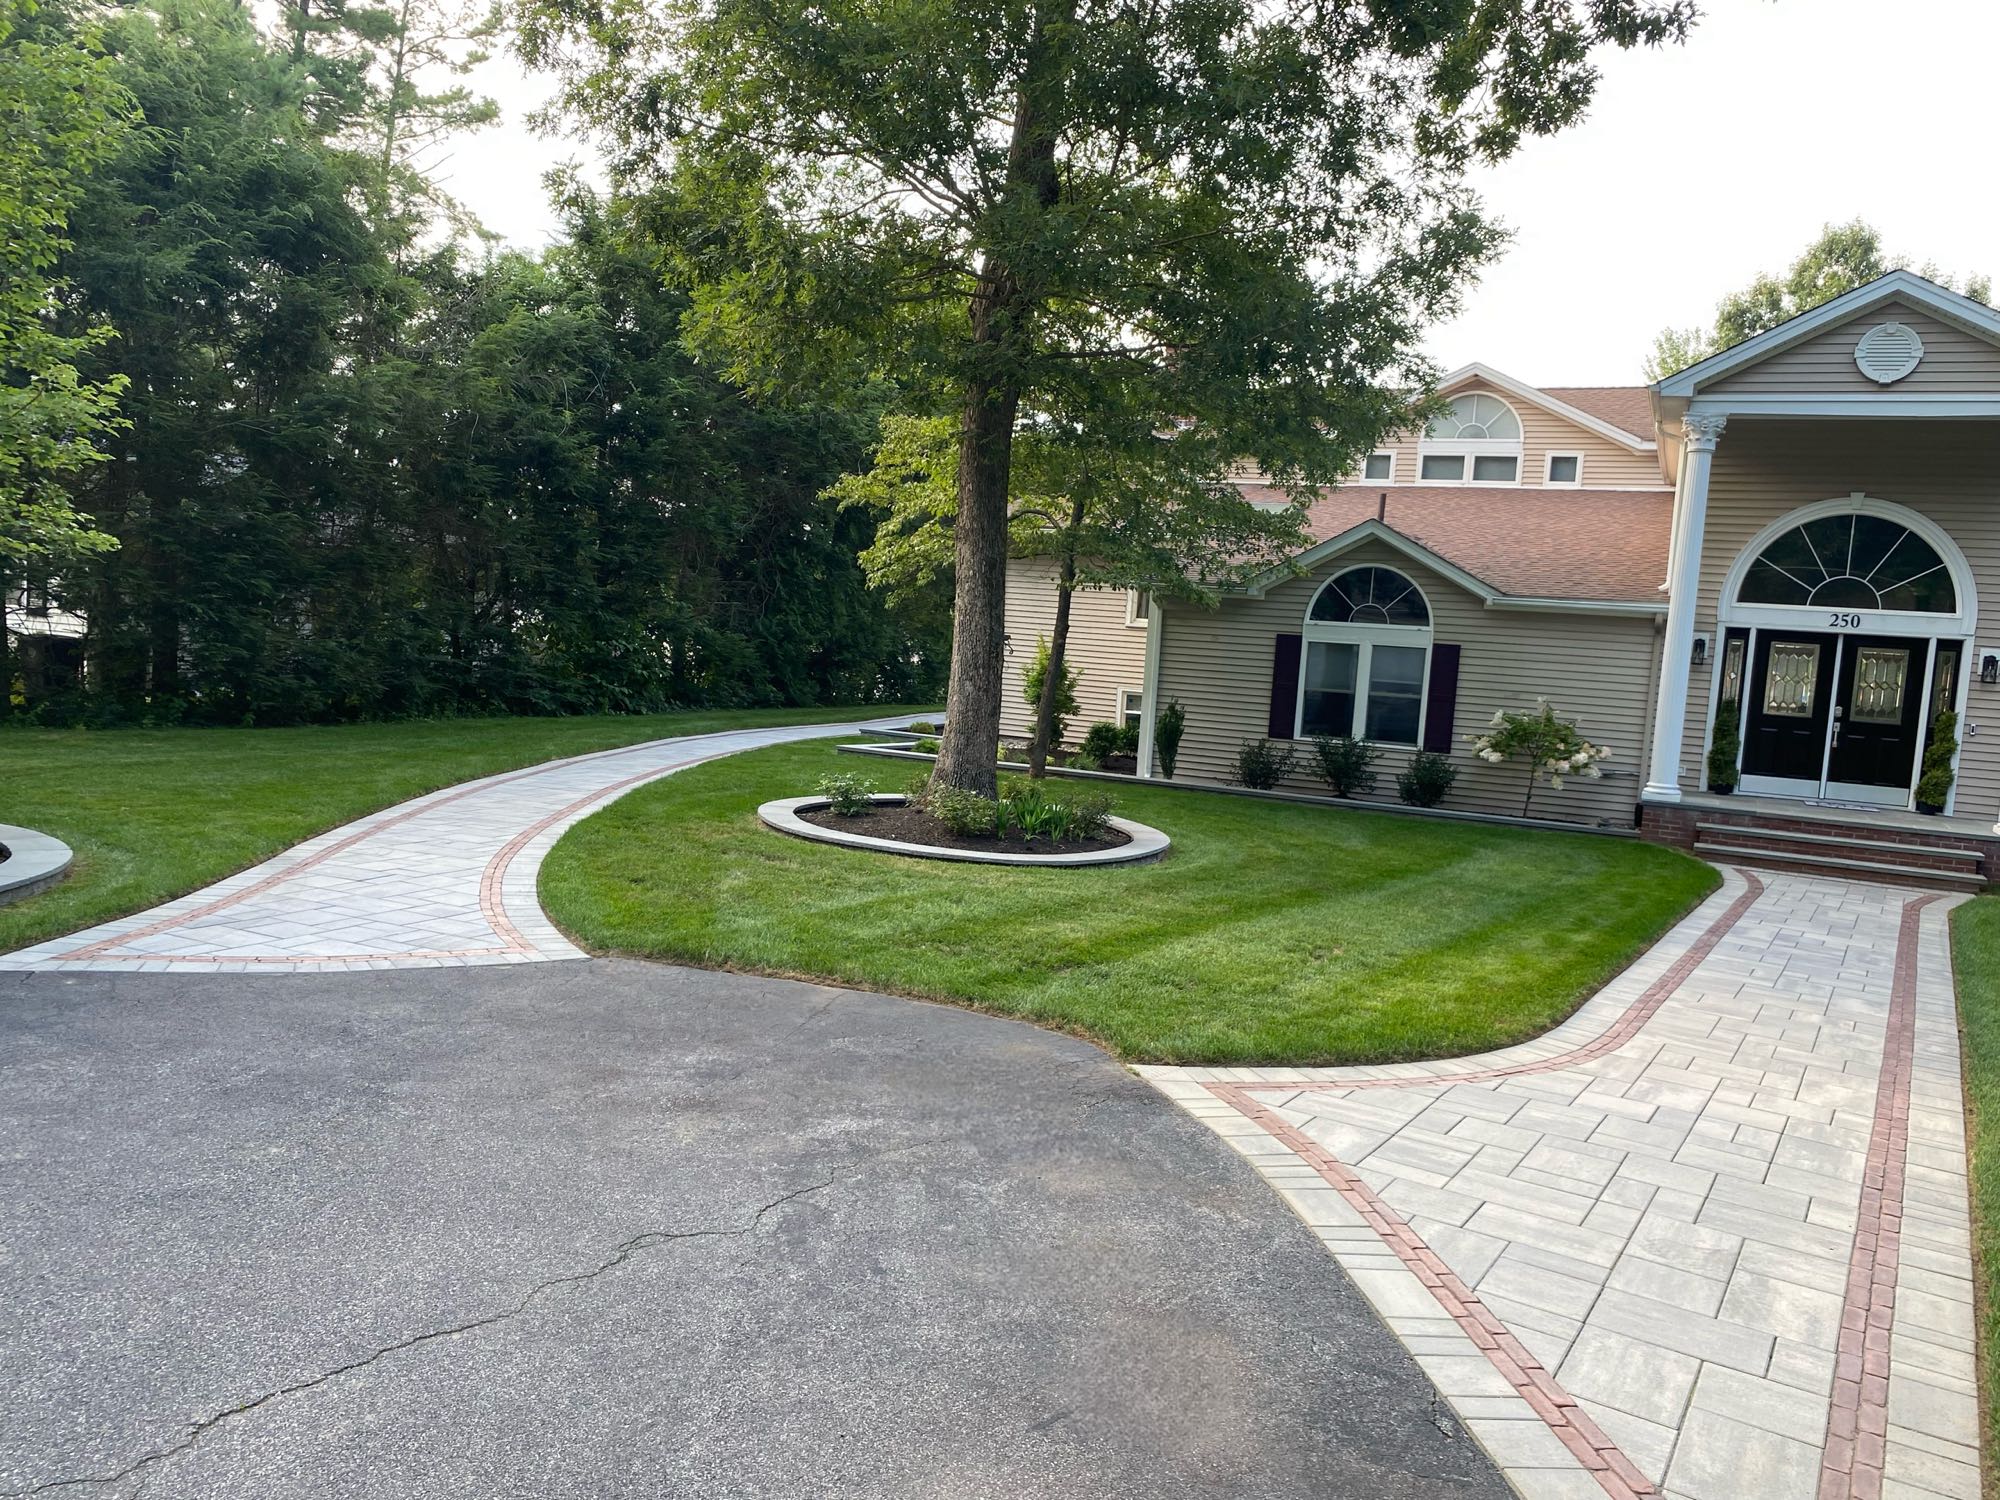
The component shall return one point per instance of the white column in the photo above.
(1149, 688)
(1699, 435)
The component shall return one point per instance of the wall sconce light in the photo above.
(1700, 656)
(1989, 668)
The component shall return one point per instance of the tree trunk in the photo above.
(6, 654)
(1052, 679)
(969, 746)
(1001, 312)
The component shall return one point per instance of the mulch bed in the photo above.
(910, 825)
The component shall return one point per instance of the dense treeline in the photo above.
(365, 471)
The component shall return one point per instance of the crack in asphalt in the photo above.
(621, 1253)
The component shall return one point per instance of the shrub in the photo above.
(1102, 741)
(1036, 810)
(1427, 779)
(1167, 730)
(1722, 773)
(964, 814)
(922, 726)
(1260, 764)
(1128, 739)
(846, 794)
(1031, 685)
(1346, 765)
(1083, 760)
(1546, 741)
(917, 793)
(926, 747)
(1934, 786)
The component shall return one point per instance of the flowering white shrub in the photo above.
(1550, 744)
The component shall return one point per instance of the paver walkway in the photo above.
(443, 879)
(1708, 1239)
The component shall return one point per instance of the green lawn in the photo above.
(1975, 956)
(153, 814)
(1272, 933)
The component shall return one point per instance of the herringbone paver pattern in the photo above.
(1709, 1239)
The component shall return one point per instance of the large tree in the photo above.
(1234, 216)
(62, 115)
(1844, 257)
(1107, 507)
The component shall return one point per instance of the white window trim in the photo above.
(1361, 475)
(1476, 448)
(1125, 699)
(1548, 468)
(1138, 604)
(1367, 637)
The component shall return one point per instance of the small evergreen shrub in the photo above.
(1067, 707)
(847, 795)
(1102, 741)
(1167, 731)
(1083, 760)
(1346, 765)
(1427, 779)
(1722, 773)
(926, 747)
(1934, 786)
(1262, 764)
(922, 726)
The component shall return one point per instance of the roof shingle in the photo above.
(1528, 543)
(1629, 408)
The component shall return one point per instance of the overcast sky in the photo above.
(1697, 167)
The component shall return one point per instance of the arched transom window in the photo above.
(1477, 440)
(1851, 561)
(1367, 657)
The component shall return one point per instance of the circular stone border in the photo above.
(783, 815)
(34, 862)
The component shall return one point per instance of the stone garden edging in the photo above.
(783, 815)
(34, 862)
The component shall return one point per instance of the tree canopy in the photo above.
(1231, 217)
(367, 470)
(1844, 257)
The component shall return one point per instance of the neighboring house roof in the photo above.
(1598, 545)
(1627, 407)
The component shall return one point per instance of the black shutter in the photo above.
(1441, 702)
(1284, 686)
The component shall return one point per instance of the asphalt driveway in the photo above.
(611, 1229)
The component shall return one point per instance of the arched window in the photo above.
(1851, 561)
(1367, 658)
(1477, 440)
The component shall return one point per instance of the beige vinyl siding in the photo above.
(1109, 654)
(1954, 360)
(1594, 668)
(1948, 471)
(1606, 465)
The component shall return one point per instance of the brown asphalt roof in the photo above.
(1626, 407)
(1528, 543)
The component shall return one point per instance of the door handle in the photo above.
(1836, 726)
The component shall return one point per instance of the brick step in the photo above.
(1866, 843)
(1861, 869)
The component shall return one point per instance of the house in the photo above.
(1802, 525)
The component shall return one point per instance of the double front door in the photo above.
(1834, 716)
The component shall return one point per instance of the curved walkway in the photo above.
(443, 879)
(1708, 1239)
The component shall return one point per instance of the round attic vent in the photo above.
(1887, 352)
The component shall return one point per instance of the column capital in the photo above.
(1702, 430)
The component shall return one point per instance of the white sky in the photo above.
(1697, 167)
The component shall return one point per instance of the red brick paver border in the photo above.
(1857, 1427)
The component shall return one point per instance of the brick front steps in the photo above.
(1835, 843)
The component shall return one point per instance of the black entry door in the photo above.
(1786, 705)
(1877, 708)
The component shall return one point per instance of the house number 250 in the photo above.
(1844, 622)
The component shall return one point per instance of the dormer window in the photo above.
(1476, 441)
